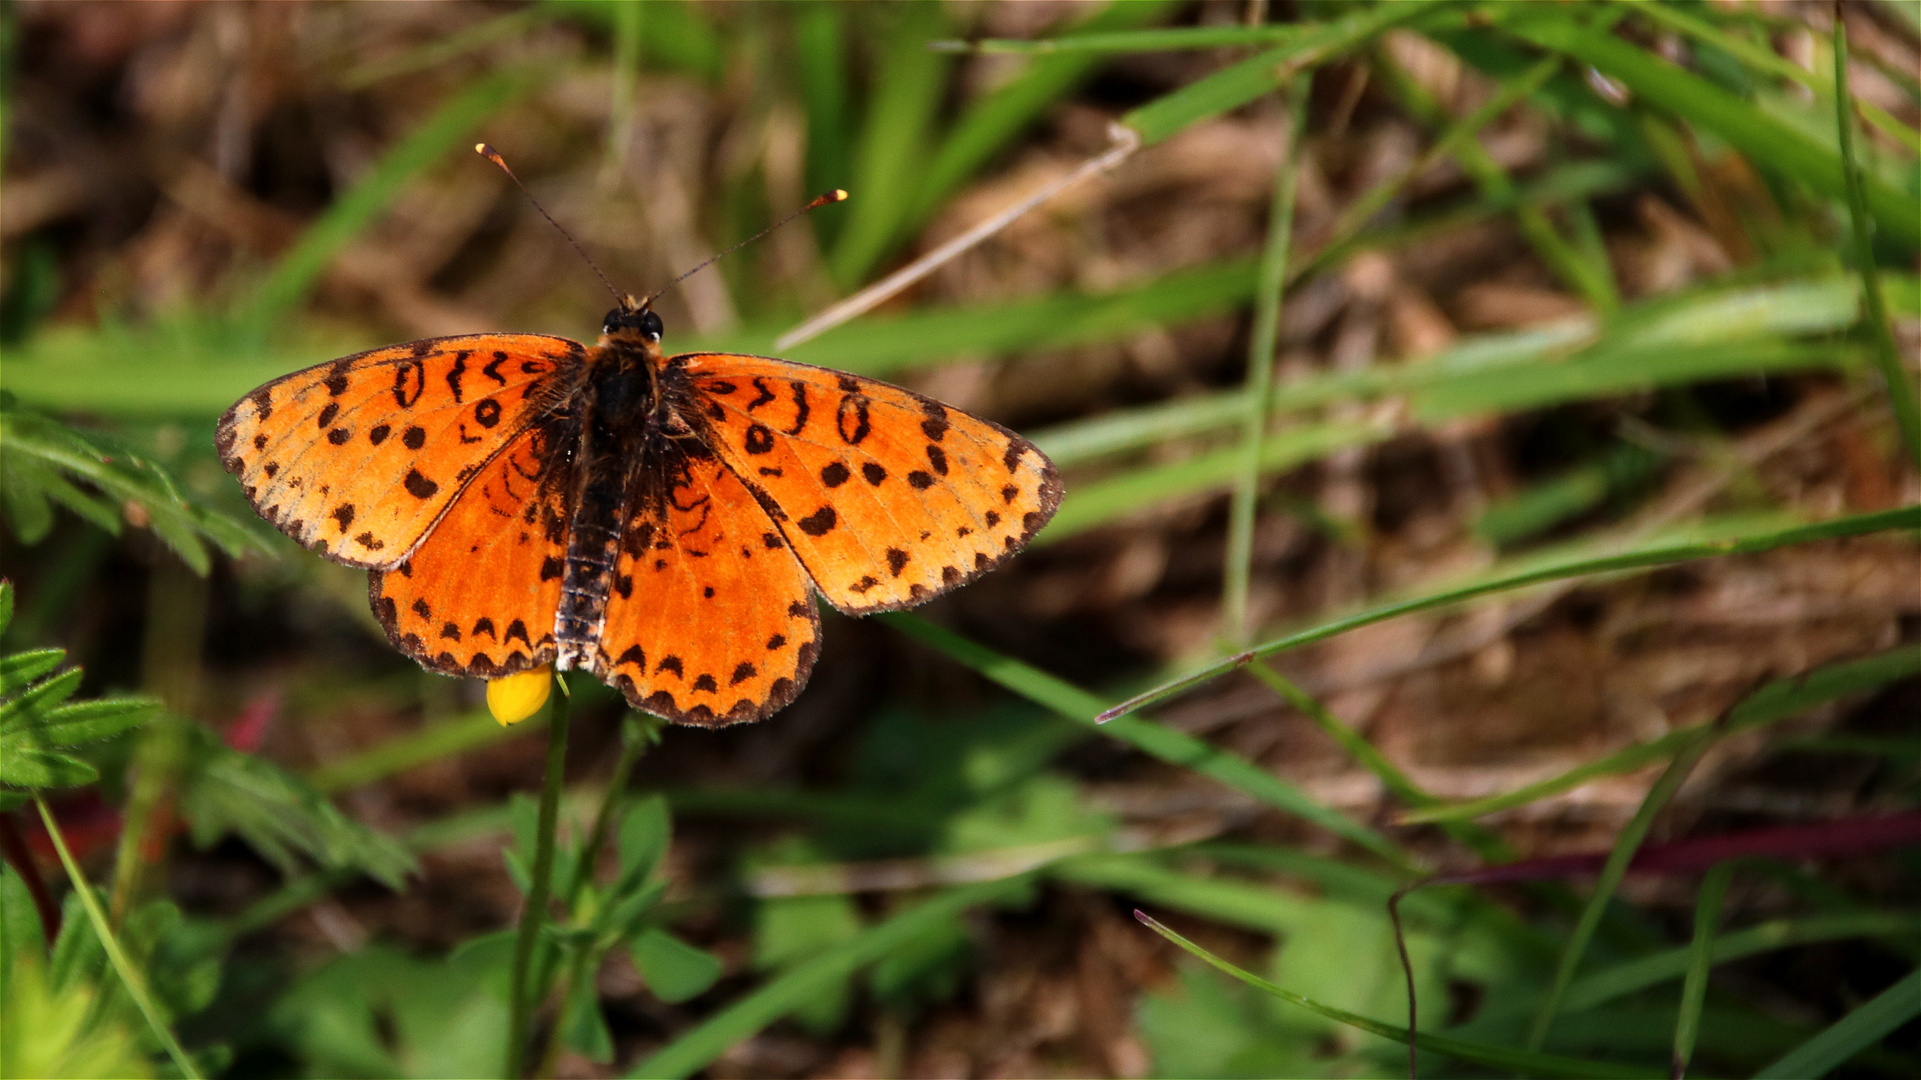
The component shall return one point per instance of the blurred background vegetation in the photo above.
(1533, 382)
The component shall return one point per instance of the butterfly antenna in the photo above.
(493, 155)
(834, 196)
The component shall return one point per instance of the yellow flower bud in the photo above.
(513, 698)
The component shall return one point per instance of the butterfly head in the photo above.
(632, 321)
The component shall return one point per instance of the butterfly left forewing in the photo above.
(887, 497)
(359, 457)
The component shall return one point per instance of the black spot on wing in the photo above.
(419, 486)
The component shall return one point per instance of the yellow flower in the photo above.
(513, 698)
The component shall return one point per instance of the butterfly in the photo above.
(661, 521)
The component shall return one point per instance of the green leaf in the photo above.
(791, 930)
(279, 815)
(49, 1030)
(31, 767)
(28, 708)
(18, 670)
(700, 1045)
(586, 1026)
(51, 452)
(642, 839)
(82, 722)
(674, 970)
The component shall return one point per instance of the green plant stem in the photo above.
(1611, 875)
(539, 888)
(638, 733)
(136, 986)
(170, 668)
(1901, 391)
(1707, 918)
(1260, 371)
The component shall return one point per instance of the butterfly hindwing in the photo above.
(478, 596)
(887, 497)
(709, 619)
(357, 458)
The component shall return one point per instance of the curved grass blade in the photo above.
(1520, 1062)
(1707, 918)
(1173, 747)
(1241, 83)
(1779, 700)
(1616, 868)
(1609, 984)
(1763, 139)
(1260, 374)
(1900, 386)
(1646, 558)
(129, 976)
(1851, 1034)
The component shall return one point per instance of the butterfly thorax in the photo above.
(617, 433)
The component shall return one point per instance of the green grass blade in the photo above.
(1524, 1063)
(1609, 984)
(1131, 41)
(1763, 139)
(1900, 387)
(1612, 872)
(445, 739)
(1707, 919)
(129, 976)
(699, 1046)
(1102, 501)
(1173, 747)
(1763, 60)
(820, 64)
(1260, 374)
(294, 275)
(1645, 558)
(1851, 1034)
(1782, 699)
(1489, 846)
(990, 123)
(1241, 83)
(890, 158)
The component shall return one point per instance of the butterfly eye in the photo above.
(650, 325)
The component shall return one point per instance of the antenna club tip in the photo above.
(837, 195)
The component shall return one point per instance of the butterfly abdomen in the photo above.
(612, 437)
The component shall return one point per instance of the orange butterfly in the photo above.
(523, 500)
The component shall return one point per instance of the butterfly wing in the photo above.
(359, 457)
(887, 497)
(709, 620)
(478, 596)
